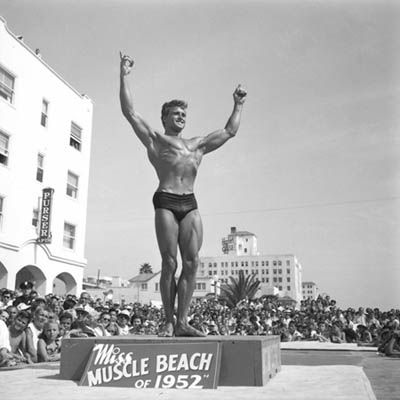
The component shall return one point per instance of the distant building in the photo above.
(45, 140)
(309, 290)
(275, 271)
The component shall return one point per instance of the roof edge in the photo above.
(82, 96)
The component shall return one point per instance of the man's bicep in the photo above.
(143, 130)
(214, 140)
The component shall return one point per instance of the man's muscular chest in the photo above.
(177, 152)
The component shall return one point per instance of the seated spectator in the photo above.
(137, 327)
(35, 328)
(392, 347)
(49, 344)
(364, 336)
(12, 314)
(213, 329)
(65, 323)
(6, 299)
(103, 321)
(4, 315)
(294, 334)
(123, 321)
(20, 343)
(336, 334)
(113, 329)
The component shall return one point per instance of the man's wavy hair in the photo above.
(170, 104)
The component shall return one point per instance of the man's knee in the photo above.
(169, 263)
(190, 263)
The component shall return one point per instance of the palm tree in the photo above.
(240, 288)
(146, 268)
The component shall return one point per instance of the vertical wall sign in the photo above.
(45, 216)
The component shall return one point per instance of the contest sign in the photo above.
(154, 365)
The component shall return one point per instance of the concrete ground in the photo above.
(292, 383)
(307, 374)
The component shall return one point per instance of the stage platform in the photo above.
(245, 360)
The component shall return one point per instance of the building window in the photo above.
(236, 264)
(288, 263)
(245, 250)
(267, 271)
(266, 263)
(247, 264)
(288, 279)
(274, 263)
(157, 286)
(266, 280)
(279, 262)
(44, 116)
(275, 280)
(7, 82)
(279, 271)
(288, 271)
(274, 271)
(280, 279)
(35, 217)
(288, 288)
(263, 280)
(1, 210)
(210, 273)
(4, 141)
(69, 235)
(143, 286)
(280, 287)
(72, 185)
(39, 168)
(256, 263)
(75, 139)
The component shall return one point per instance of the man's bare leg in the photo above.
(167, 230)
(190, 241)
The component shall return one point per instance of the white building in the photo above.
(310, 290)
(45, 138)
(275, 271)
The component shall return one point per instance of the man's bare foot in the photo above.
(167, 330)
(187, 330)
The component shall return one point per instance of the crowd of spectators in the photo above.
(32, 327)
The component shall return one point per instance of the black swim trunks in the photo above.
(179, 204)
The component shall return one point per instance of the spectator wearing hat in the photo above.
(26, 289)
(84, 301)
(123, 319)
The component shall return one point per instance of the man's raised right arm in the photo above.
(142, 129)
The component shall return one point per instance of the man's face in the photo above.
(84, 298)
(20, 323)
(12, 311)
(6, 298)
(105, 319)
(113, 315)
(176, 119)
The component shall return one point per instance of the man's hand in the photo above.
(239, 95)
(126, 64)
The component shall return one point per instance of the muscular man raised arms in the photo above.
(177, 218)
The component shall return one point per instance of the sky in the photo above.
(314, 169)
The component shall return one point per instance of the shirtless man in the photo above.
(177, 219)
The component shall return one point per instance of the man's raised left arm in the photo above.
(216, 139)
